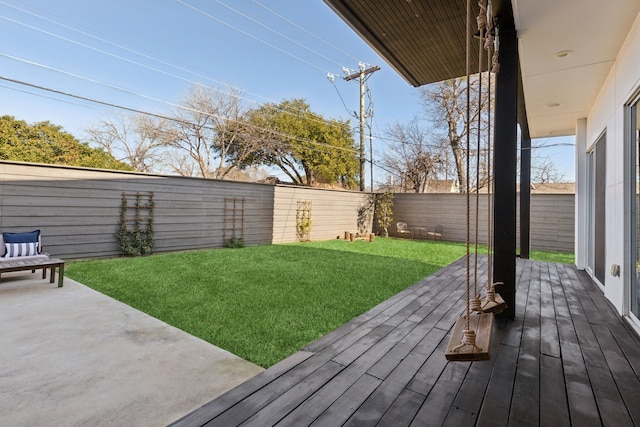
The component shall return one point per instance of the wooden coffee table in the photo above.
(36, 264)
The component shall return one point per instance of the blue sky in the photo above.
(145, 54)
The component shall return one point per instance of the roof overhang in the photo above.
(424, 41)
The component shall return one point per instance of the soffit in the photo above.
(424, 41)
(561, 90)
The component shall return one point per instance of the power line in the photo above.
(331, 77)
(87, 79)
(113, 55)
(277, 32)
(42, 96)
(208, 15)
(307, 31)
(164, 117)
(101, 51)
(102, 40)
(148, 67)
(131, 92)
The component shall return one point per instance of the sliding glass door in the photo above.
(596, 212)
(633, 141)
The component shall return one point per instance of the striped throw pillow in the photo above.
(21, 249)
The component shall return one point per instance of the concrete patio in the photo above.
(74, 357)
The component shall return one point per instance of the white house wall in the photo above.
(607, 114)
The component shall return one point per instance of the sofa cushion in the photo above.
(19, 238)
(31, 236)
(21, 249)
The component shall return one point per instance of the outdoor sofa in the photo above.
(23, 251)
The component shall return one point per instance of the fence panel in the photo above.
(332, 212)
(78, 209)
(552, 217)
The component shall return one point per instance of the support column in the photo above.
(581, 228)
(504, 267)
(525, 195)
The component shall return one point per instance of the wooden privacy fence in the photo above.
(78, 211)
(552, 217)
(333, 213)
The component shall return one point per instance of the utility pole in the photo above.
(362, 76)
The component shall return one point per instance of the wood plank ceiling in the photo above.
(566, 49)
(425, 41)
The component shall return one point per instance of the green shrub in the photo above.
(234, 242)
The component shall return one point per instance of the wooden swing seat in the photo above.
(482, 324)
(496, 306)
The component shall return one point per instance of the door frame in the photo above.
(631, 207)
(593, 262)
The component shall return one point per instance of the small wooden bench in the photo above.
(36, 264)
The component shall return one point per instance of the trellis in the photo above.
(135, 232)
(303, 221)
(233, 219)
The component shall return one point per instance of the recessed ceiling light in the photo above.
(562, 54)
(552, 105)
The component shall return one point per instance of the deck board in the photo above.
(403, 409)
(468, 402)
(567, 359)
(549, 340)
(435, 408)
(377, 404)
(526, 388)
(554, 410)
(497, 400)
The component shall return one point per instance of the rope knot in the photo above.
(488, 43)
(476, 304)
(495, 65)
(482, 16)
(469, 337)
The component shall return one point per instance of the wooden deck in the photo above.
(567, 359)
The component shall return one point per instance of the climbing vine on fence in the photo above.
(303, 221)
(135, 229)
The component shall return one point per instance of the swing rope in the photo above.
(468, 141)
(492, 58)
(490, 291)
(481, 21)
(490, 288)
(487, 25)
(468, 335)
(463, 343)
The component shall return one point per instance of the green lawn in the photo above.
(264, 303)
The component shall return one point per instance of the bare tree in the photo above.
(412, 157)
(446, 104)
(544, 171)
(181, 164)
(252, 173)
(137, 140)
(207, 130)
(202, 137)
